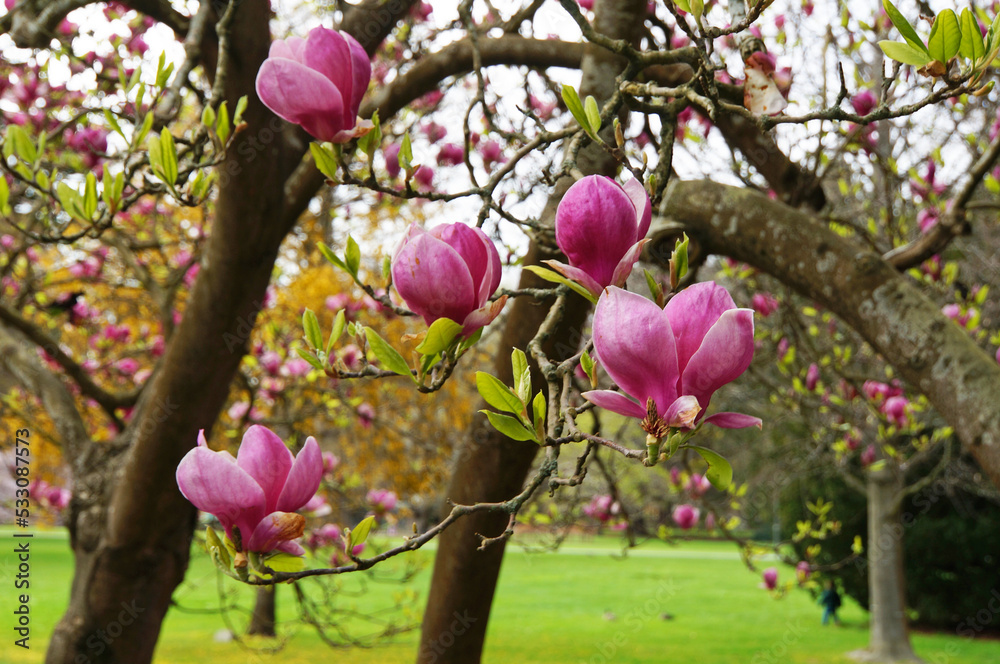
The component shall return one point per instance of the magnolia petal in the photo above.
(328, 53)
(214, 483)
(300, 95)
(267, 460)
(692, 313)
(627, 262)
(633, 339)
(474, 248)
(360, 128)
(291, 547)
(290, 49)
(361, 72)
(761, 95)
(483, 316)
(577, 275)
(275, 528)
(303, 479)
(683, 413)
(433, 279)
(616, 402)
(595, 226)
(643, 208)
(734, 421)
(723, 356)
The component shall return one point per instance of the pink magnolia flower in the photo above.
(602, 507)
(671, 360)
(424, 176)
(709, 521)
(864, 102)
(317, 83)
(492, 153)
(391, 155)
(770, 577)
(812, 377)
(450, 154)
(868, 456)
(295, 367)
(270, 362)
(366, 414)
(896, 409)
(325, 535)
(256, 492)
(698, 485)
(803, 571)
(600, 226)
(382, 500)
(330, 462)
(685, 516)
(764, 303)
(449, 272)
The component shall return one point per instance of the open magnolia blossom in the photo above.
(254, 494)
(670, 361)
(449, 272)
(317, 83)
(600, 226)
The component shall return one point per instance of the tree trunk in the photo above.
(130, 528)
(492, 467)
(889, 638)
(264, 615)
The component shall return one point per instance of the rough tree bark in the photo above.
(492, 467)
(889, 638)
(929, 351)
(130, 528)
(264, 612)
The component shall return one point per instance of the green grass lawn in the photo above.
(581, 605)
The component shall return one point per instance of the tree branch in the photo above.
(931, 352)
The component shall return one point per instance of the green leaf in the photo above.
(406, 153)
(555, 277)
(370, 141)
(683, 4)
(112, 121)
(208, 117)
(22, 144)
(697, 9)
(904, 53)
(679, 261)
(498, 395)
(575, 106)
(241, 105)
(655, 290)
(538, 410)
(5, 195)
(470, 341)
(311, 358)
(222, 123)
(90, 196)
(593, 114)
(719, 473)
(972, 39)
(360, 532)
(522, 375)
(326, 160)
(169, 156)
(509, 426)
(387, 355)
(70, 200)
(946, 36)
(332, 257)
(439, 336)
(310, 324)
(42, 178)
(352, 256)
(140, 136)
(217, 550)
(338, 329)
(905, 29)
(587, 362)
(285, 562)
